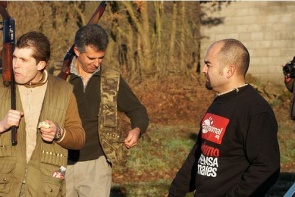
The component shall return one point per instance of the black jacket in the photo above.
(237, 152)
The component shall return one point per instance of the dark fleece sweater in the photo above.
(88, 100)
(237, 151)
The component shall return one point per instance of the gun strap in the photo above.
(110, 135)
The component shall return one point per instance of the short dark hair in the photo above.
(234, 52)
(91, 35)
(38, 42)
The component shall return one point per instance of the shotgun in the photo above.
(8, 29)
(65, 70)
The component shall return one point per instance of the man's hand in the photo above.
(132, 138)
(12, 118)
(48, 130)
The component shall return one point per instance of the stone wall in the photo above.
(267, 29)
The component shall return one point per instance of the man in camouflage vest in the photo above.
(100, 91)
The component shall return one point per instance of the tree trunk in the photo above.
(172, 65)
(183, 33)
(157, 43)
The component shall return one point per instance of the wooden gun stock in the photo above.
(7, 62)
(65, 70)
(7, 51)
(98, 13)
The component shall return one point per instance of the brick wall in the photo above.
(266, 28)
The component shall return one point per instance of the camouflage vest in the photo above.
(111, 137)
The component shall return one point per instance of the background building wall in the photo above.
(266, 28)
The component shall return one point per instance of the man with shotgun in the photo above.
(47, 120)
(100, 91)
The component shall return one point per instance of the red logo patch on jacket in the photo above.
(214, 127)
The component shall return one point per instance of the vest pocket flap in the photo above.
(5, 178)
(6, 173)
(5, 183)
(52, 186)
(6, 167)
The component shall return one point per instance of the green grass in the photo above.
(164, 147)
(152, 165)
(286, 138)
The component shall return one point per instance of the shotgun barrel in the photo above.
(8, 28)
(65, 70)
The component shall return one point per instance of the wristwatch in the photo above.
(57, 134)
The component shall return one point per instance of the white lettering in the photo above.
(207, 166)
(208, 161)
(209, 128)
(207, 171)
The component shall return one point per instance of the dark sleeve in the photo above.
(132, 107)
(184, 180)
(263, 154)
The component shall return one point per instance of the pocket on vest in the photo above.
(53, 186)
(51, 161)
(6, 174)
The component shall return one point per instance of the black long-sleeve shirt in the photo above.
(88, 100)
(290, 83)
(237, 151)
